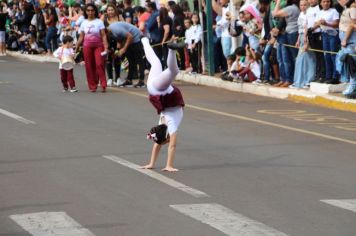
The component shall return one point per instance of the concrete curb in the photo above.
(37, 58)
(297, 95)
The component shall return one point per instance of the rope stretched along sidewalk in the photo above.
(287, 45)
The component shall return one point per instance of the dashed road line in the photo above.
(171, 182)
(16, 117)
(226, 220)
(347, 204)
(50, 224)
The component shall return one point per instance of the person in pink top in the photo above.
(143, 17)
(95, 47)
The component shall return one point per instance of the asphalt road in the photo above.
(267, 163)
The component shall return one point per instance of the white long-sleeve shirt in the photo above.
(223, 23)
(193, 35)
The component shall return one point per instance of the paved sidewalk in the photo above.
(317, 95)
(38, 58)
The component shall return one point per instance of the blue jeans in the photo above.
(330, 43)
(226, 43)
(305, 65)
(351, 43)
(51, 36)
(286, 56)
(266, 62)
(292, 40)
(345, 75)
(254, 43)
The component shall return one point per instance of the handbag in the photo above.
(79, 57)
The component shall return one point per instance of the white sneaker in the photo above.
(119, 82)
(292, 86)
(73, 90)
(109, 83)
(257, 81)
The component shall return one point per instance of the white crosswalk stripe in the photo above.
(16, 117)
(225, 220)
(348, 204)
(171, 182)
(50, 224)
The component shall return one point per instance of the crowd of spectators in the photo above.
(284, 43)
(290, 43)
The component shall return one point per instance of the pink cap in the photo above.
(254, 12)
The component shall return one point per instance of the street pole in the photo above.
(209, 27)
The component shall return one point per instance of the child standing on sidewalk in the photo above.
(305, 63)
(193, 40)
(252, 26)
(66, 53)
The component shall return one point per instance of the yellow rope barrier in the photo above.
(287, 45)
(310, 49)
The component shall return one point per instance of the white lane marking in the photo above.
(226, 220)
(171, 182)
(348, 204)
(16, 117)
(50, 224)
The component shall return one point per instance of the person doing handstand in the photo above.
(166, 98)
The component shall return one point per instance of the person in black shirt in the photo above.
(179, 32)
(165, 28)
(128, 12)
(113, 62)
(24, 17)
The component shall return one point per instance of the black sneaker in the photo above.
(140, 84)
(332, 81)
(320, 80)
(127, 83)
